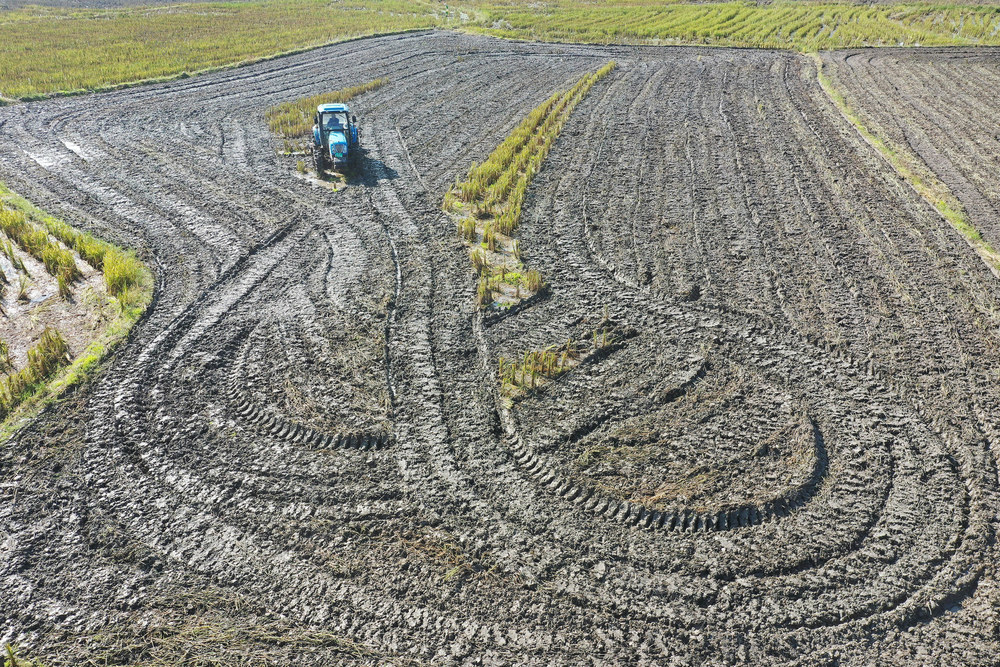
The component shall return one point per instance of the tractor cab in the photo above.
(335, 120)
(335, 135)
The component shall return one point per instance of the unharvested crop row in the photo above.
(57, 246)
(50, 354)
(33, 231)
(58, 261)
(294, 119)
(497, 186)
(487, 204)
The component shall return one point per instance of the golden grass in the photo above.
(47, 50)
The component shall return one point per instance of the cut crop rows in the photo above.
(801, 26)
(932, 142)
(57, 247)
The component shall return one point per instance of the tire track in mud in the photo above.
(287, 314)
(625, 280)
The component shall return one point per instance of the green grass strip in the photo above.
(915, 173)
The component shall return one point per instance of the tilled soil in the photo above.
(939, 104)
(783, 454)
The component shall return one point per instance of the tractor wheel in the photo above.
(318, 159)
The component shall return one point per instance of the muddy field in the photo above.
(784, 455)
(943, 111)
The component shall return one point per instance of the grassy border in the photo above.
(85, 365)
(187, 74)
(480, 20)
(915, 173)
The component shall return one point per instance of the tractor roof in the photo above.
(326, 108)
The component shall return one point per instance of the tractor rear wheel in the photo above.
(318, 159)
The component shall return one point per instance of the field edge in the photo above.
(86, 365)
(187, 74)
(912, 170)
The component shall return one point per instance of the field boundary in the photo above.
(83, 367)
(914, 172)
(35, 97)
(835, 24)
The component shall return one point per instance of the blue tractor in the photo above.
(336, 138)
